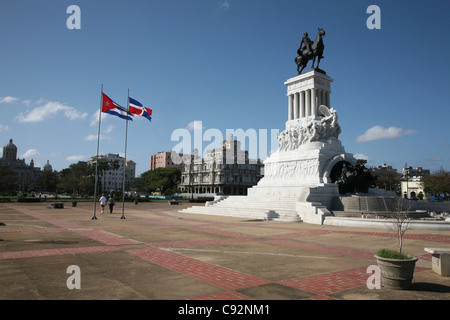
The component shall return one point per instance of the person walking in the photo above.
(111, 204)
(103, 202)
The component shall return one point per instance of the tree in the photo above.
(78, 178)
(437, 183)
(103, 166)
(164, 180)
(388, 180)
(400, 220)
(48, 181)
(8, 179)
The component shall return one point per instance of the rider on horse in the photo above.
(307, 42)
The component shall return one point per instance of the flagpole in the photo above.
(125, 160)
(98, 144)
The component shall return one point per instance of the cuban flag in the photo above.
(114, 109)
(137, 108)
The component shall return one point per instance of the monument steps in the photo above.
(251, 207)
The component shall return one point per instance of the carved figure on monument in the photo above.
(310, 51)
(330, 121)
(303, 131)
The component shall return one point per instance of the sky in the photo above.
(221, 64)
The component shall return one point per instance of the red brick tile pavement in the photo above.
(53, 252)
(228, 295)
(184, 244)
(105, 238)
(222, 277)
(326, 283)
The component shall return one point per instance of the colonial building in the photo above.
(412, 184)
(226, 170)
(110, 177)
(27, 174)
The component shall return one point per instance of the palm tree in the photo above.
(103, 166)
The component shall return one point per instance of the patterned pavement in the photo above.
(159, 253)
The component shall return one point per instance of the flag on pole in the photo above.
(110, 107)
(137, 108)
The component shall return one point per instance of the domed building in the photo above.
(10, 151)
(48, 167)
(27, 174)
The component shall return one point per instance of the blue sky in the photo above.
(223, 63)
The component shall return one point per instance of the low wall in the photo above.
(437, 207)
(384, 224)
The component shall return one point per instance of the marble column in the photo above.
(291, 107)
(302, 104)
(296, 107)
(313, 102)
(308, 103)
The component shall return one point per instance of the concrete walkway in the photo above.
(159, 253)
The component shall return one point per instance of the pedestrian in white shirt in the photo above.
(103, 202)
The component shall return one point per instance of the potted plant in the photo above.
(397, 268)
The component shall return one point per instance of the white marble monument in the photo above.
(297, 182)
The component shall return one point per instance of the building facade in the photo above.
(226, 170)
(412, 184)
(27, 174)
(166, 160)
(111, 170)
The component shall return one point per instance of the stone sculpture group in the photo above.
(306, 130)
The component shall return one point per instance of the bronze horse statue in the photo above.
(304, 54)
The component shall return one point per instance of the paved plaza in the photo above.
(158, 253)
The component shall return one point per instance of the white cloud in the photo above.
(380, 133)
(8, 99)
(76, 158)
(3, 128)
(49, 109)
(362, 156)
(30, 153)
(94, 118)
(224, 6)
(91, 137)
(94, 137)
(110, 128)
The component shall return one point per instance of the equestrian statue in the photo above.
(310, 51)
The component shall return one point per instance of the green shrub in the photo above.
(392, 254)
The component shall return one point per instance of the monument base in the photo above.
(296, 186)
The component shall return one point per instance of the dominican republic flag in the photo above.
(113, 108)
(137, 108)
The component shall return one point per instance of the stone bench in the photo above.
(172, 202)
(440, 261)
(57, 205)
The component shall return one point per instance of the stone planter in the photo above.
(396, 273)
